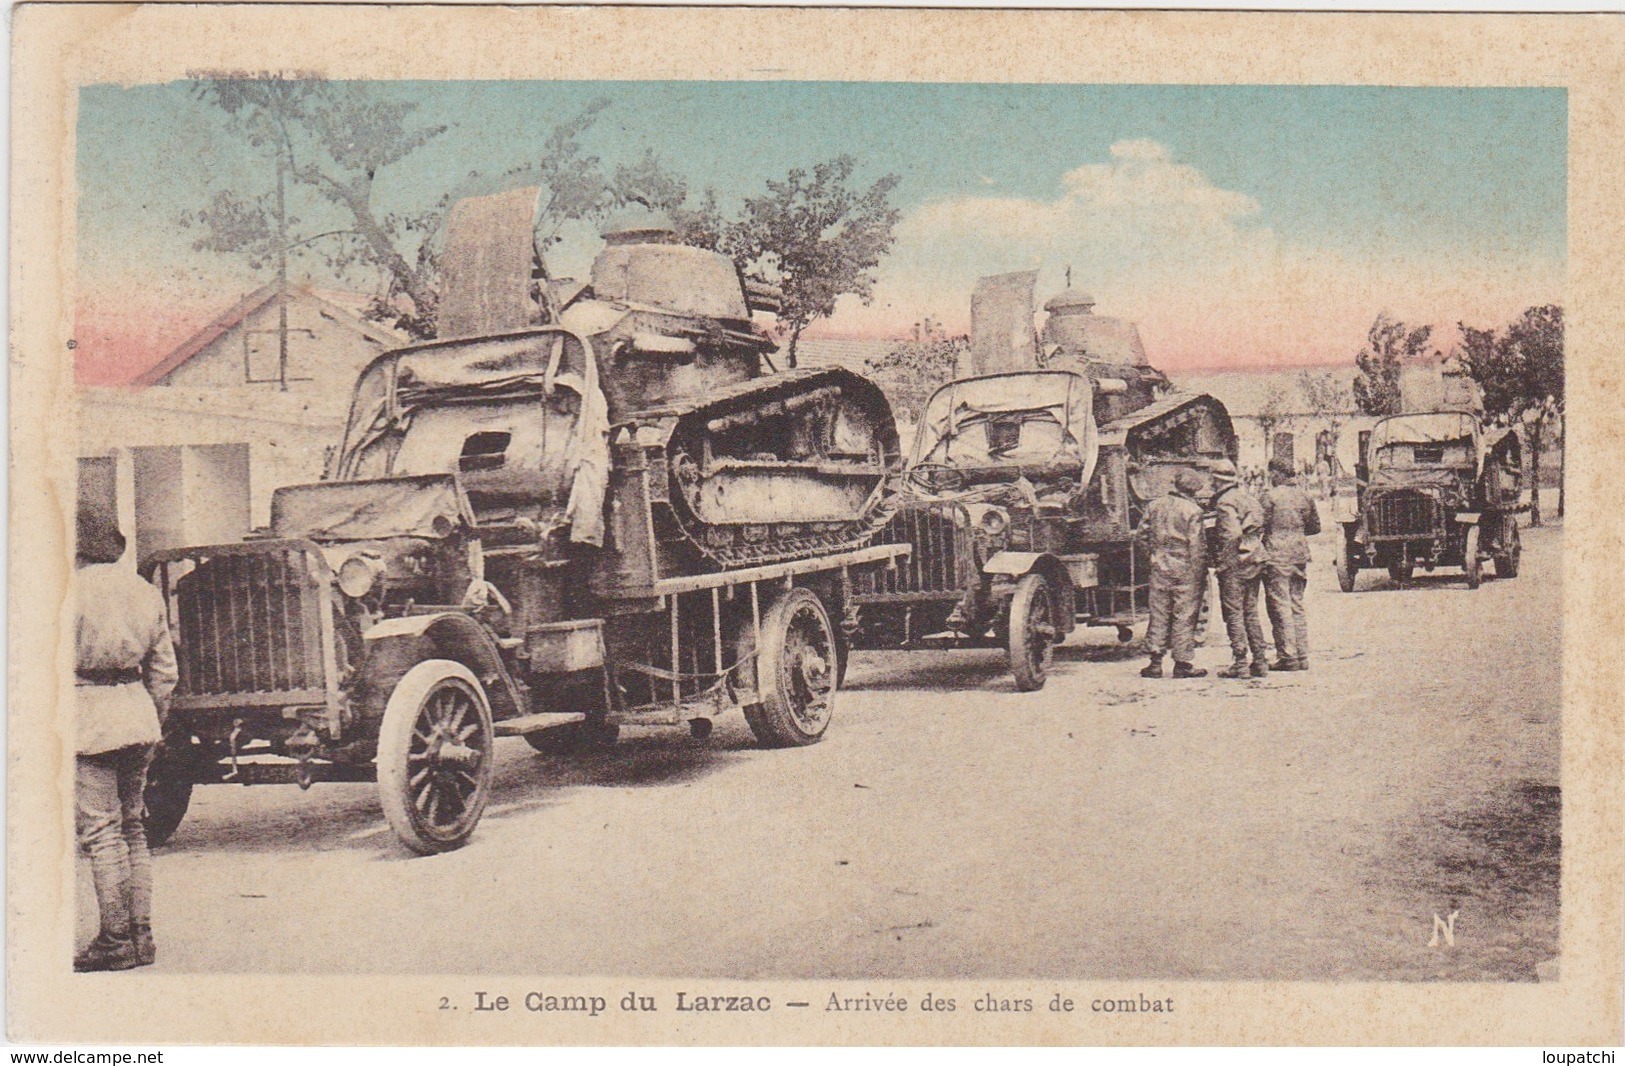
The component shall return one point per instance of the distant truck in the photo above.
(1433, 489)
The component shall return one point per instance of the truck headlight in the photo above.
(359, 575)
(994, 521)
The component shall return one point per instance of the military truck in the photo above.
(1433, 489)
(1024, 489)
(588, 505)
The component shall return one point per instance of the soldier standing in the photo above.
(1173, 525)
(1290, 519)
(1239, 562)
(124, 671)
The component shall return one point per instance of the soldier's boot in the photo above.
(107, 952)
(1301, 663)
(146, 952)
(1187, 670)
(1155, 669)
(1258, 669)
(1235, 670)
(1284, 663)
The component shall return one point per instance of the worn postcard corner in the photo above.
(651, 525)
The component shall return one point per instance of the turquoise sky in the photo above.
(1368, 174)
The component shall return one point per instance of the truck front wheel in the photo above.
(435, 756)
(1506, 560)
(796, 673)
(1347, 570)
(1471, 561)
(1032, 632)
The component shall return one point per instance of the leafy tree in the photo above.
(911, 370)
(331, 140)
(1521, 373)
(817, 237)
(1389, 345)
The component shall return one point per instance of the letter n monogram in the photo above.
(1447, 927)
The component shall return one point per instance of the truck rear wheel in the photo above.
(1032, 632)
(435, 756)
(796, 669)
(168, 794)
(1506, 561)
(1344, 564)
(1470, 560)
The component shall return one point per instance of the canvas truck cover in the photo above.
(1392, 465)
(952, 426)
(1436, 427)
(429, 505)
(526, 368)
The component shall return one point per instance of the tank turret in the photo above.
(1107, 350)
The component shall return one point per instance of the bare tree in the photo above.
(1330, 401)
(1272, 414)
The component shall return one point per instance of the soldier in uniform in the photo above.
(1239, 561)
(1290, 519)
(124, 671)
(1173, 525)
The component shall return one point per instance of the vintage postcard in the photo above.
(653, 525)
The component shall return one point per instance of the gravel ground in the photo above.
(1308, 826)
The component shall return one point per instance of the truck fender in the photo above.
(397, 642)
(1018, 564)
(1012, 564)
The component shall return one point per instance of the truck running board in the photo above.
(532, 723)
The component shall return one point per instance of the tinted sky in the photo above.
(1238, 225)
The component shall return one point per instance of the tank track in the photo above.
(759, 545)
(781, 398)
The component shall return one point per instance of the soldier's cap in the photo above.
(99, 539)
(1224, 471)
(1188, 481)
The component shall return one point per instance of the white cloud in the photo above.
(1194, 263)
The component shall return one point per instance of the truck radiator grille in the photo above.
(942, 558)
(250, 623)
(1405, 513)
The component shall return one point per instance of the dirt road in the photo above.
(1308, 826)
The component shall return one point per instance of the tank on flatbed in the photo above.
(658, 378)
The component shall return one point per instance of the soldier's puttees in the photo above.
(124, 671)
(1178, 543)
(1239, 562)
(1290, 519)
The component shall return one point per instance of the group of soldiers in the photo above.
(1253, 545)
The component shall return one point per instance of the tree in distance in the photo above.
(911, 370)
(1520, 371)
(1389, 345)
(818, 238)
(1329, 400)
